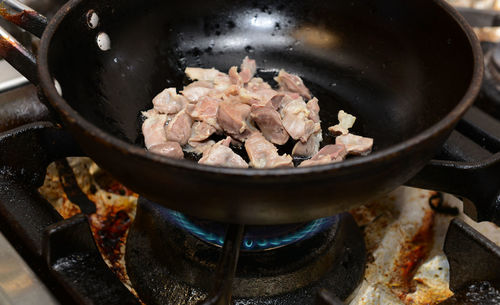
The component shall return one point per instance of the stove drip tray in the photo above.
(171, 259)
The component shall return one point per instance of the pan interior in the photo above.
(399, 66)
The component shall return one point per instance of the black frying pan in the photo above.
(407, 69)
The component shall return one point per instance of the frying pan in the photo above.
(407, 69)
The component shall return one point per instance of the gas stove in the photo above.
(71, 234)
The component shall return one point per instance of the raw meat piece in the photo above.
(153, 128)
(205, 110)
(269, 122)
(221, 155)
(234, 76)
(295, 117)
(310, 148)
(168, 149)
(232, 118)
(346, 121)
(313, 107)
(328, 154)
(248, 69)
(263, 154)
(202, 74)
(169, 102)
(199, 147)
(355, 145)
(249, 112)
(200, 131)
(197, 90)
(293, 83)
(179, 129)
(281, 99)
(260, 96)
(257, 83)
(222, 82)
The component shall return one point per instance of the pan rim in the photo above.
(105, 138)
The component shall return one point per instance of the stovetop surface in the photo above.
(404, 235)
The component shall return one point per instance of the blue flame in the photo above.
(250, 243)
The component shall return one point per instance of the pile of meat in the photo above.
(248, 112)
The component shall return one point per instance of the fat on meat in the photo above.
(328, 154)
(355, 145)
(153, 128)
(269, 122)
(179, 129)
(168, 149)
(263, 154)
(346, 121)
(295, 118)
(220, 154)
(292, 83)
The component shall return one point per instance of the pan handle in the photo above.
(468, 169)
(18, 56)
(10, 49)
(477, 181)
(23, 16)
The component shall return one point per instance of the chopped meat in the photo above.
(221, 155)
(200, 131)
(295, 116)
(153, 128)
(260, 96)
(169, 102)
(222, 82)
(263, 154)
(346, 121)
(293, 83)
(205, 110)
(249, 112)
(168, 149)
(269, 122)
(276, 100)
(310, 148)
(195, 93)
(200, 84)
(199, 147)
(257, 83)
(179, 129)
(313, 107)
(281, 99)
(202, 74)
(233, 119)
(248, 69)
(234, 76)
(328, 154)
(355, 145)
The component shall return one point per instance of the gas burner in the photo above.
(299, 260)
(256, 238)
